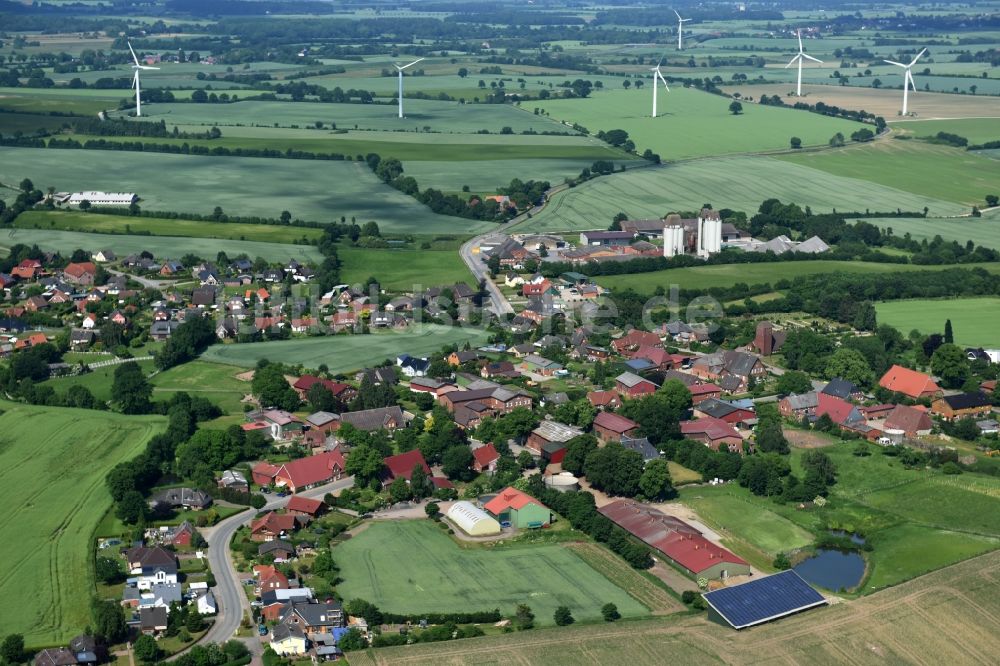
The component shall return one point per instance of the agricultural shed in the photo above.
(472, 520)
(763, 600)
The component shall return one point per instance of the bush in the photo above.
(610, 612)
(688, 597)
(563, 616)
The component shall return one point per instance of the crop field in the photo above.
(441, 577)
(983, 230)
(880, 101)
(489, 175)
(976, 130)
(403, 270)
(694, 123)
(949, 616)
(739, 183)
(948, 174)
(726, 275)
(162, 247)
(28, 123)
(74, 220)
(343, 353)
(53, 462)
(321, 191)
(438, 116)
(974, 320)
(639, 587)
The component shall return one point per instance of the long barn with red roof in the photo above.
(678, 541)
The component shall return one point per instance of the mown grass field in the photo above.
(52, 467)
(440, 577)
(726, 275)
(403, 270)
(310, 190)
(949, 616)
(941, 172)
(739, 183)
(694, 123)
(343, 353)
(975, 321)
(162, 247)
(74, 220)
(983, 230)
(215, 381)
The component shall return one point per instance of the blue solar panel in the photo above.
(764, 599)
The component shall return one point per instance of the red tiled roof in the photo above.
(908, 382)
(509, 498)
(712, 427)
(402, 465)
(908, 419)
(484, 455)
(305, 382)
(603, 398)
(311, 470)
(838, 409)
(304, 505)
(441, 482)
(704, 389)
(656, 355)
(614, 422)
(78, 269)
(274, 522)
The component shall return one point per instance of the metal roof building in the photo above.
(763, 600)
(472, 520)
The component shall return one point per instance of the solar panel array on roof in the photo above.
(764, 599)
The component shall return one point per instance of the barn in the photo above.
(472, 520)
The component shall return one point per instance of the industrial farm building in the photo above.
(472, 520)
(101, 198)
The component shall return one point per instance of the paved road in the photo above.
(498, 302)
(145, 282)
(229, 595)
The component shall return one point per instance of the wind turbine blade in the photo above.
(135, 79)
(909, 78)
(136, 59)
(664, 81)
(145, 67)
(809, 57)
(893, 62)
(922, 52)
(678, 15)
(792, 61)
(409, 65)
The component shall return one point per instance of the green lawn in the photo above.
(343, 353)
(403, 270)
(739, 183)
(52, 467)
(949, 174)
(311, 190)
(214, 381)
(726, 275)
(909, 550)
(162, 247)
(440, 577)
(99, 381)
(974, 320)
(976, 130)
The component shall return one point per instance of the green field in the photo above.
(97, 381)
(949, 174)
(976, 130)
(53, 462)
(28, 123)
(909, 550)
(162, 247)
(983, 230)
(694, 123)
(739, 183)
(310, 190)
(215, 381)
(726, 275)
(764, 530)
(343, 353)
(73, 220)
(490, 175)
(440, 577)
(974, 320)
(403, 270)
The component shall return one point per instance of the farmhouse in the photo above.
(517, 509)
(610, 427)
(713, 433)
(342, 392)
(381, 418)
(102, 198)
(80, 273)
(796, 406)
(635, 339)
(684, 545)
(302, 473)
(630, 385)
(702, 392)
(906, 421)
(843, 389)
(303, 506)
(604, 399)
(550, 432)
(961, 406)
(472, 520)
(909, 382)
(733, 370)
(401, 466)
(273, 525)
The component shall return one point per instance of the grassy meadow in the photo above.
(404, 269)
(974, 320)
(983, 230)
(53, 462)
(344, 353)
(693, 123)
(321, 191)
(976, 130)
(739, 183)
(441, 577)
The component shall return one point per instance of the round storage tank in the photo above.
(562, 482)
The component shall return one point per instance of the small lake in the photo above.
(834, 569)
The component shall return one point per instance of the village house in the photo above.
(630, 385)
(713, 433)
(611, 427)
(151, 566)
(907, 422)
(401, 466)
(380, 418)
(701, 392)
(910, 383)
(342, 392)
(725, 411)
(278, 549)
(485, 459)
(533, 363)
(733, 371)
(273, 526)
(186, 498)
(797, 406)
(962, 406)
(281, 425)
(635, 339)
(499, 369)
(303, 506)
(302, 473)
(604, 399)
(82, 273)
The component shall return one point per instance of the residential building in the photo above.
(380, 418)
(273, 525)
(611, 427)
(153, 621)
(642, 446)
(550, 432)
(282, 425)
(604, 399)
(234, 480)
(187, 498)
(540, 365)
(725, 411)
(151, 566)
(962, 406)
(279, 549)
(485, 459)
(630, 385)
(843, 389)
(734, 371)
(714, 433)
(401, 466)
(302, 473)
(80, 272)
(906, 421)
(910, 383)
(342, 392)
(313, 618)
(303, 506)
(701, 392)
(288, 640)
(796, 406)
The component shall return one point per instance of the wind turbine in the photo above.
(400, 70)
(680, 30)
(135, 79)
(800, 56)
(907, 77)
(658, 75)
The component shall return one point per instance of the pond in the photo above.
(834, 569)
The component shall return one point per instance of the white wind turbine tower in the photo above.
(907, 77)
(135, 79)
(657, 78)
(799, 57)
(400, 70)
(680, 30)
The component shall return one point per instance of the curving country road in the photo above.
(232, 602)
